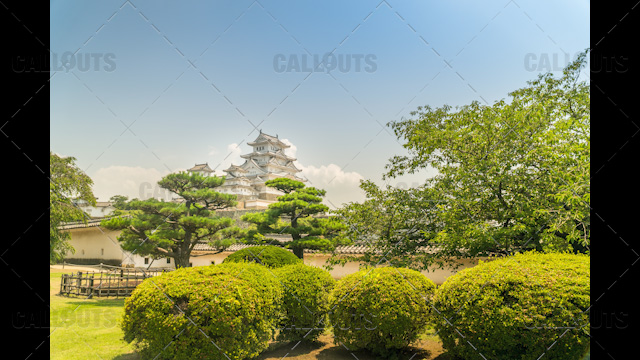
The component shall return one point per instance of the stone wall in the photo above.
(236, 215)
(269, 196)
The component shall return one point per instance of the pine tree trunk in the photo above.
(299, 252)
(181, 261)
(182, 257)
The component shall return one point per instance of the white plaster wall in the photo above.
(205, 260)
(92, 241)
(97, 212)
(89, 243)
(438, 276)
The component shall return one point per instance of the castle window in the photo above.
(146, 261)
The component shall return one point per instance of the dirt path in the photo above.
(327, 350)
(70, 268)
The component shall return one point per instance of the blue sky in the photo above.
(151, 87)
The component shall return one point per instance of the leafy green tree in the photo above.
(67, 184)
(511, 176)
(119, 201)
(392, 223)
(293, 214)
(167, 229)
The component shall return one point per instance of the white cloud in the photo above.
(341, 186)
(134, 182)
(290, 151)
(330, 174)
(231, 156)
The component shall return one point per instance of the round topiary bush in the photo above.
(305, 303)
(382, 309)
(517, 308)
(234, 308)
(269, 255)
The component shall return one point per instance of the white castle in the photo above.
(266, 161)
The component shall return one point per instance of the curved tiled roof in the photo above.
(80, 224)
(269, 138)
(201, 167)
(363, 249)
(205, 247)
(347, 249)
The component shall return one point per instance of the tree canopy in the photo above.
(511, 176)
(293, 214)
(119, 201)
(172, 229)
(67, 184)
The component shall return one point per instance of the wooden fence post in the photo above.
(90, 287)
(78, 282)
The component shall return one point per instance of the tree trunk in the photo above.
(182, 256)
(299, 252)
(181, 260)
(184, 252)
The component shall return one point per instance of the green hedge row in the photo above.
(513, 308)
(267, 255)
(527, 306)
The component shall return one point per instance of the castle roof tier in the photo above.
(201, 167)
(235, 169)
(264, 138)
(275, 154)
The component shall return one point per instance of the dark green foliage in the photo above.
(305, 302)
(516, 308)
(119, 202)
(68, 183)
(234, 307)
(285, 185)
(271, 256)
(293, 214)
(168, 229)
(382, 309)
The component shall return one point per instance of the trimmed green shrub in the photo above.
(305, 302)
(269, 255)
(517, 308)
(382, 310)
(234, 306)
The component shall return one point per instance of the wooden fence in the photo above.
(117, 282)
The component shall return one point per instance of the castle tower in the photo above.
(266, 161)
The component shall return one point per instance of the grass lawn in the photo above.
(86, 329)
